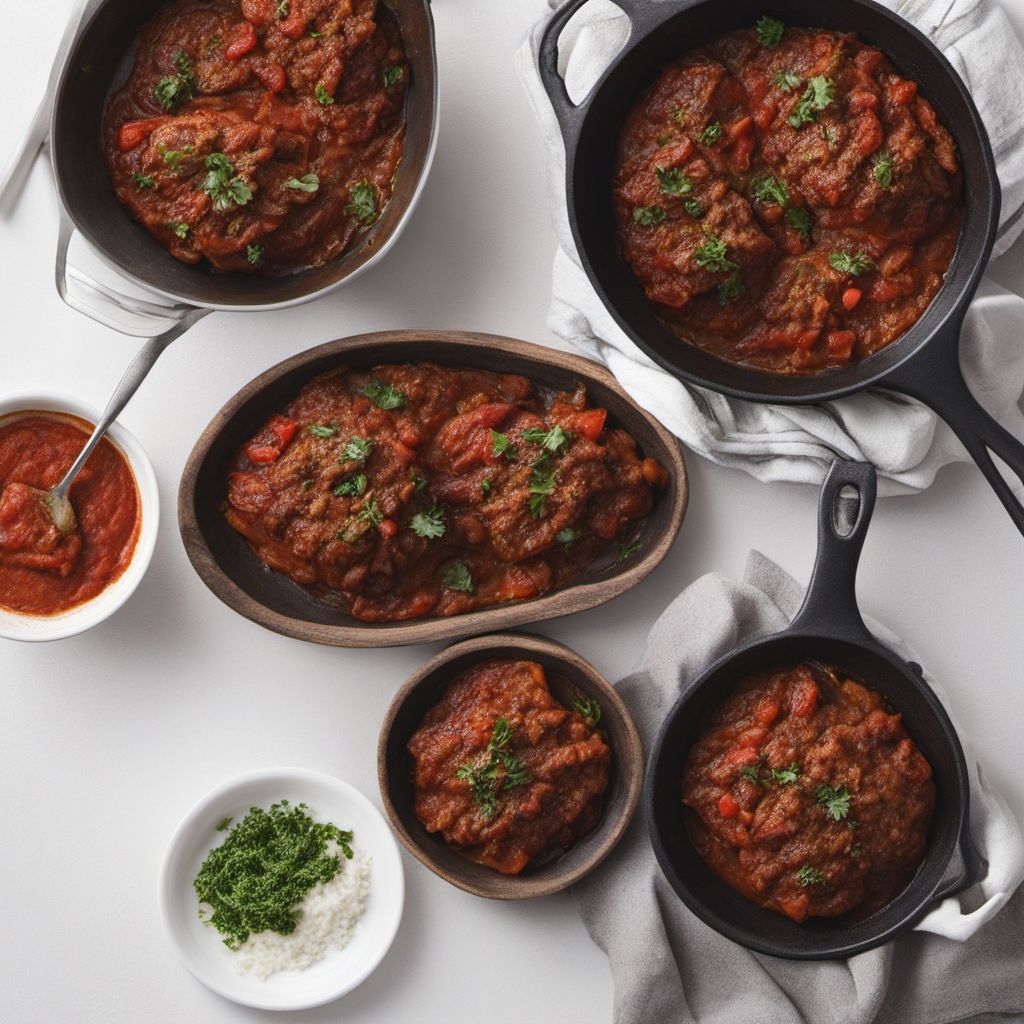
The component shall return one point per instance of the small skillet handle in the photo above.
(933, 376)
(643, 15)
(830, 605)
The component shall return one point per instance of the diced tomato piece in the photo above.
(767, 710)
(903, 92)
(655, 474)
(728, 806)
(133, 133)
(404, 453)
(840, 343)
(261, 452)
(741, 755)
(883, 291)
(588, 423)
(294, 25)
(241, 40)
(765, 114)
(272, 76)
(387, 528)
(284, 429)
(861, 99)
(795, 906)
(851, 297)
(805, 698)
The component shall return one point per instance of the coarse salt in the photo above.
(329, 915)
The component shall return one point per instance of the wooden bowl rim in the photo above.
(567, 600)
(628, 757)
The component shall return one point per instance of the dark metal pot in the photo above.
(828, 628)
(180, 294)
(925, 362)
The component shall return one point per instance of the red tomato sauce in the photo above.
(791, 205)
(41, 573)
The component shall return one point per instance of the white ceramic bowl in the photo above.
(91, 613)
(200, 946)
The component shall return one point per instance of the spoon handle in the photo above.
(126, 388)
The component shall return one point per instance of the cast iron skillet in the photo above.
(828, 628)
(925, 362)
(178, 295)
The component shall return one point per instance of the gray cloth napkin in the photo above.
(905, 441)
(671, 968)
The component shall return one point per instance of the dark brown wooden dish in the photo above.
(231, 570)
(568, 675)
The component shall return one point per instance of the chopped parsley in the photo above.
(322, 95)
(142, 180)
(768, 189)
(883, 170)
(542, 485)
(174, 158)
(786, 80)
(370, 512)
(588, 709)
(181, 229)
(712, 255)
(501, 445)
(283, 9)
(502, 770)
(283, 844)
(485, 486)
(307, 485)
(429, 524)
(173, 90)
(752, 773)
(811, 876)
(351, 487)
(418, 483)
(711, 134)
(458, 577)
(673, 182)
(568, 536)
(786, 776)
(799, 220)
(255, 253)
(856, 850)
(820, 92)
(835, 801)
(694, 208)
(730, 289)
(222, 185)
(665, 139)
(323, 430)
(356, 450)
(829, 135)
(552, 440)
(769, 31)
(307, 183)
(648, 216)
(384, 396)
(362, 202)
(627, 550)
(856, 264)
(392, 75)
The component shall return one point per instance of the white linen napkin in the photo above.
(671, 968)
(906, 442)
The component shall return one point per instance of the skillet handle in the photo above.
(123, 313)
(933, 376)
(969, 869)
(830, 604)
(642, 14)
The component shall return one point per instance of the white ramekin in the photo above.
(84, 616)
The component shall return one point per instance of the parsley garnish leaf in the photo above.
(711, 134)
(356, 450)
(351, 487)
(384, 396)
(820, 92)
(835, 801)
(712, 256)
(501, 445)
(811, 876)
(648, 216)
(673, 182)
(856, 264)
(429, 524)
(551, 440)
(883, 170)
(362, 202)
(222, 185)
(307, 183)
(769, 31)
(458, 577)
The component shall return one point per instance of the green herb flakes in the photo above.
(256, 879)
(648, 216)
(786, 80)
(768, 189)
(673, 182)
(835, 801)
(811, 876)
(307, 183)
(322, 95)
(502, 770)
(819, 94)
(731, 289)
(356, 450)
(173, 90)
(142, 180)
(711, 134)
(222, 185)
(351, 487)
(769, 31)
(323, 430)
(694, 208)
(588, 709)
(502, 446)
(712, 256)
(429, 524)
(568, 536)
(384, 396)
(392, 75)
(799, 220)
(255, 254)
(181, 230)
(458, 577)
(551, 440)
(362, 202)
(883, 170)
(855, 264)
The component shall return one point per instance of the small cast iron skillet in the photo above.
(925, 362)
(828, 628)
(98, 61)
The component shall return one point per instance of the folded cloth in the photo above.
(904, 439)
(668, 966)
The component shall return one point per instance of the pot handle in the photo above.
(122, 313)
(831, 600)
(641, 15)
(969, 869)
(933, 376)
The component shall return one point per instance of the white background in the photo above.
(106, 740)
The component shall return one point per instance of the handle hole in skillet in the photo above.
(1007, 472)
(592, 38)
(846, 510)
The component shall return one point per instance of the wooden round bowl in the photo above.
(567, 673)
(232, 571)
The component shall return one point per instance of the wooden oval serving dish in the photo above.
(567, 673)
(232, 571)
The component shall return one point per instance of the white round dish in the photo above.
(200, 946)
(84, 616)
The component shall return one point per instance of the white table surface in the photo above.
(106, 740)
